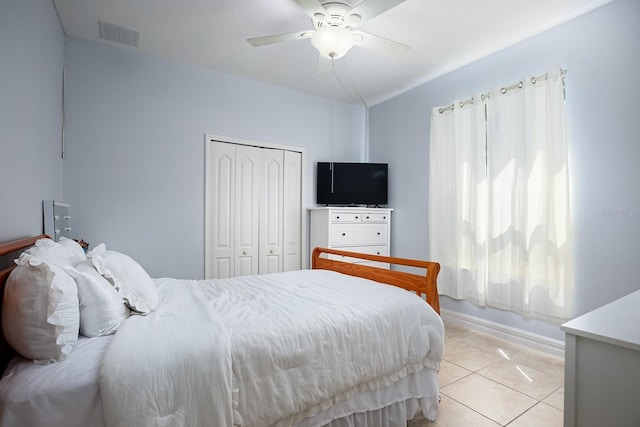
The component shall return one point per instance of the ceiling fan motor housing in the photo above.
(337, 16)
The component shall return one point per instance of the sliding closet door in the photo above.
(292, 194)
(254, 210)
(271, 212)
(248, 166)
(222, 190)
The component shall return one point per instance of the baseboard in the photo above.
(515, 335)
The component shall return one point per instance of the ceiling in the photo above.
(443, 35)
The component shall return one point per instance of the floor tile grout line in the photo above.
(493, 337)
(476, 411)
(511, 388)
(522, 414)
(518, 390)
(549, 395)
(503, 359)
(533, 353)
(537, 401)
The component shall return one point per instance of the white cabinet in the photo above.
(254, 210)
(602, 366)
(364, 230)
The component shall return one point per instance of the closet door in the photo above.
(248, 166)
(271, 209)
(253, 208)
(222, 224)
(292, 194)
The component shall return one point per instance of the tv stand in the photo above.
(356, 229)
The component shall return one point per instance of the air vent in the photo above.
(118, 34)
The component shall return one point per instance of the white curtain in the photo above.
(457, 199)
(499, 200)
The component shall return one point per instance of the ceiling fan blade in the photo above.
(325, 64)
(277, 38)
(369, 9)
(380, 44)
(311, 7)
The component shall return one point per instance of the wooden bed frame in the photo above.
(420, 284)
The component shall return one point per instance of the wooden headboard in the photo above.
(426, 284)
(8, 252)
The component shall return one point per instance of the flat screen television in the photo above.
(352, 183)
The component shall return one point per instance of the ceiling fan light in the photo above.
(333, 42)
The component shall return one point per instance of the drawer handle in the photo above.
(338, 217)
(344, 234)
(384, 217)
(378, 233)
(378, 253)
(367, 216)
(244, 252)
(356, 217)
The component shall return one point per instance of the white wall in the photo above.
(31, 55)
(135, 130)
(601, 53)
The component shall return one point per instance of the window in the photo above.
(499, 217)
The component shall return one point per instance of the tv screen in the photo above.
(352, 183)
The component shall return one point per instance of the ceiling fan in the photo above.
(336, 30)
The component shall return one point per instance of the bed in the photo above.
(331, 346)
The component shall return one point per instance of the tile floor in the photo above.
(486, 381)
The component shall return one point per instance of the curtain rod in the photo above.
(503, 90)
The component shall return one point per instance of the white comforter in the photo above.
(263, 350)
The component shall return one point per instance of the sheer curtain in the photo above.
(499, 219)
(458, 199)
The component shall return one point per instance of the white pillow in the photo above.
(102, 309)
(40, 314)
(128, 277)
(55, 253)
(78, 253)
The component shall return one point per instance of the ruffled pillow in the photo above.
(102, 309)
(62, 254)
(79, 254)
(128, 277)
(40, 314)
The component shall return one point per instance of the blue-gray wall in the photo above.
(134, 165)
(600, 50)
(134, 168)
(31, 62)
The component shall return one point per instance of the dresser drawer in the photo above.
(375, 217)
(381, 250)
(346, 217)
(363, 234)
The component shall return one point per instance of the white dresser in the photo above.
(602, 366)
(363, 230)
